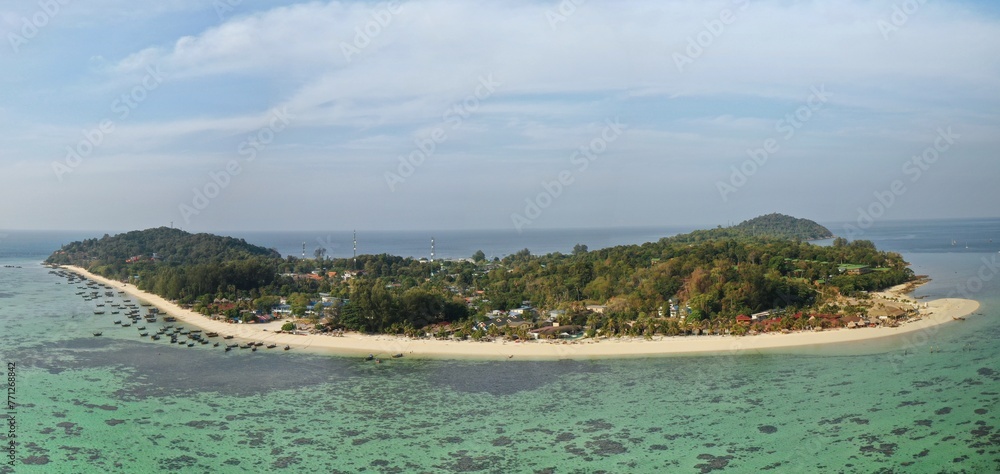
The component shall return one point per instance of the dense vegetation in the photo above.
(707, 278)
(771, 226)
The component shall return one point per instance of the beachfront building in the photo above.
(502, 322)
(854, 269)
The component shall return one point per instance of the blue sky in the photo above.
(251, 115)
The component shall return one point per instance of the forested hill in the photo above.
(709, 276)
(771, 226)
(786, 227)
(173, 247)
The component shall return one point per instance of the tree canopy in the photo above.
(707, 276)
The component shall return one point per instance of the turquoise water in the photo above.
(122, 403)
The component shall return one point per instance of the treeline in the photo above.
(769, 227)
(716, 278)
(780, 226)
(709, 276)
(375, 308)
(171, 246)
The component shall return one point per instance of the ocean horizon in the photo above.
(500, 242)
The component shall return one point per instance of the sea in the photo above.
(927, 402)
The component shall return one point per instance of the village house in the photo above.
(855, 269)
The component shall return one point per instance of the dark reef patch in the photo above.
(565, 437)
(713, 463)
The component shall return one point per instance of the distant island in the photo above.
(759, 276)
(771, 226)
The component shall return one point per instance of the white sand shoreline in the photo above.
(937, 312)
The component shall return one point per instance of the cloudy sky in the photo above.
(262, 115)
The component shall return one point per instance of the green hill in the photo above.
(708, 277)
(784, 227)
(768, 227)
(171, 246)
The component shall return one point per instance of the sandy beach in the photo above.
(942, 311)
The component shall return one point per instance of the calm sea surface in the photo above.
(123, 403)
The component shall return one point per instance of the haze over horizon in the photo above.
(230, 115)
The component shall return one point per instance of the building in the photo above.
(854, 269)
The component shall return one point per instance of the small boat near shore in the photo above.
(98, 334)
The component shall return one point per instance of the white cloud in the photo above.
(557, 81)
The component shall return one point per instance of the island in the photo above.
(757, 285)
